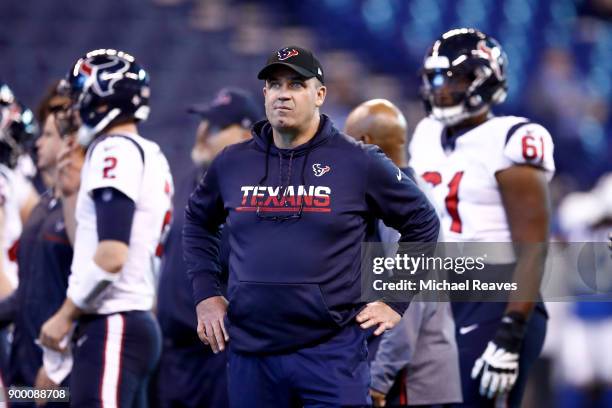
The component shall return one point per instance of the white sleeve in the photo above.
(116, 162)
(23, 189)
(528, 143)
(4, 190)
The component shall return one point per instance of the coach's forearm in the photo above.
(201, 251)
(69, 310)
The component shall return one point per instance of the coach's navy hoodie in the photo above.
(295, 250)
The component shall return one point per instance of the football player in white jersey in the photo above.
(17, 195)
(490, 173)
(123, 206)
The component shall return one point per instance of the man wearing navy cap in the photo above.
(297, 199)
(189, 374)
(226, 120)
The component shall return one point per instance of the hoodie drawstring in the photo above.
(282, 185)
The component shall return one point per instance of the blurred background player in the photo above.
(123, 206)
(584, 368)
(490, 174)
(415, 363)
(191, 375)
(17, 196)
(44, 256)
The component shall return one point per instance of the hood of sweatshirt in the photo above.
(262, 135)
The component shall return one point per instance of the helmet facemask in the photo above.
(455, 95)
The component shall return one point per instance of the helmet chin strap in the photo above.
(86, 134)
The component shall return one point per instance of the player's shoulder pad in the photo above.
(426, 126)
(424, 133)
(123, 144)
(527, 142)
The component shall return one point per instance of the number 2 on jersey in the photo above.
(110, 164)
(452, 198)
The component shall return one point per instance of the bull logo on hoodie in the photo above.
(320, 170)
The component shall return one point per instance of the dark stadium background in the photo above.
(559, 50)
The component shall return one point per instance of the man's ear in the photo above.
(265, 90)
(321, 93)
(367, 139)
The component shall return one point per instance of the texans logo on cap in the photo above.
(287, 53)
(223, 98)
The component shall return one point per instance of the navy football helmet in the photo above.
(471, 67)
(18, 128)
(106, 86)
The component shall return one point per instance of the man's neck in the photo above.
(49, 176)
(122, 128)
(398, 157)
(290, 140)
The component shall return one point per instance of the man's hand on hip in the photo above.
(380, 314)
(211, 328)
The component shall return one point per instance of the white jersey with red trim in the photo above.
(463, 177)
(14, 192)
(138, 168)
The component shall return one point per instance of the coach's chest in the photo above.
(323, 191)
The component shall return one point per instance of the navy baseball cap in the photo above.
(231, 106)
(298, 59)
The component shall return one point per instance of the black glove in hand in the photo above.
(499, 363)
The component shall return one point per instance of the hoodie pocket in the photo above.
(276, 317)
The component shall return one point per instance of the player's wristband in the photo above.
(90, 286)
(511, 331)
